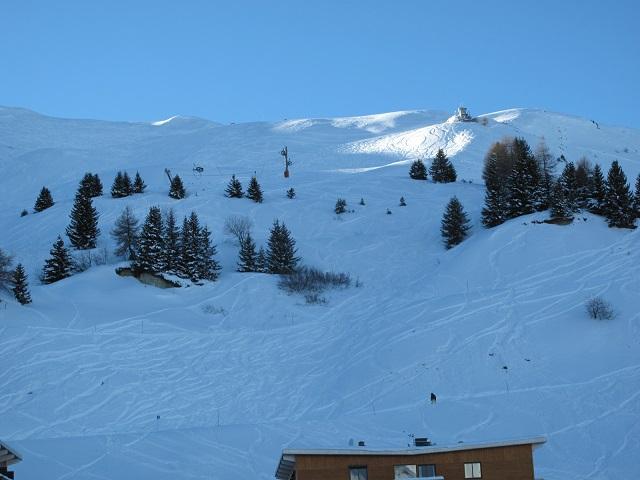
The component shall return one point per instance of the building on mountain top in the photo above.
(463, 115)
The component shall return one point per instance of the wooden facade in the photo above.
(511, 460)
(8, 456)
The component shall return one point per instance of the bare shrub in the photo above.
(309, 279)
(238, 226)
(213, 310)
(87, 259)
(599, 309)
(315, 299)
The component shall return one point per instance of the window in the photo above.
(404, 471)
(357, 473)
(426, 470)
(472, 470)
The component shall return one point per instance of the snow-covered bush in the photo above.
(600, 309)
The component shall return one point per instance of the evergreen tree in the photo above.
(583, 183)
(455, 224)
(598, 190)
(125, 233)
(21, 285)
(176, 190)
(149, 257)
(118, 189)
(208, 267)
(83, 228)
(618, 205)
(546, 166)
(291, 193)
(262, 265)
(362, 201)
(341, 206)
(58, 266)
(559, 207)
(190, 247)
(495, 210)
(96, 186)
(568, 183)
(254, 192)
(171, 243)
(636, 197)
(234, 188)
(127, 185)
(525, 195)
(281, 252)
(138, 184)
(87, 184)
(418, 171)
(247, 260)
(44, 200)
(439, 166)
(402, 202)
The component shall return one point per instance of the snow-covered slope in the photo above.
(106, 378)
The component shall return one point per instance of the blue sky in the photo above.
(267, 60)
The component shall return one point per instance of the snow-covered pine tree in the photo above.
(127, 185)
(262, 265)
(439, 167)
(125, 233)
(341, 206)
(455, 224)
(149, 256)
(636, 197)
(171, 253)
(83, 228)
(86, 184)
(208, 267)
(254, 192)
(558, 206)
(281, 252)
(138, 184)
(44, 200)
(6, 274)
(525, 195)
(583, 182)
(598, 190)
(96, 186)
(247, 259)
(569, 186)
(291, 193)
(402, 202)
(190, 247)
(362, 201)
(21, 285)
(234, 188)
(618, 205)
(418, 171)
(118, 187)
(58, 266)
(176, 189)
(495, 209)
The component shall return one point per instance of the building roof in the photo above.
(8, 455)
(288, 458)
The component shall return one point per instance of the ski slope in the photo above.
(107, 378)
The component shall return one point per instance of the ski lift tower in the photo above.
(287, 161)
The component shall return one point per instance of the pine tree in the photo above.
(402, 202)
(21, 285)
(495, 210)
(254, 192)
(83, 228)
(58, 266)
(598, 191)
(125, 233)
(568, 183)
(138, 184)
(418, 171)
(291, 193)
(44, 200)
(547, 170)
(455, 224)
(247, 260)
(262, 265)
(281, 252)
(127, 185)
(341, 206)
(559, 207)
(176, 190)
(234, 188)
(525, 195)
(362, 201)
(87, 184)
(189, 247)
(618, 206)
(583, 182)
(208, 267)
(96, 186)
(118, 189)
(636, 197)
(438, 168)
(149, 256)
(171, 252)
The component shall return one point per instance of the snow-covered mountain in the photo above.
(104, 377)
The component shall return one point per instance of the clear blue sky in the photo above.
(241, 60)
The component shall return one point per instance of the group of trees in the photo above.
(279, 257)
(160, 246)
(519, 182)
(254, 191)
(14, 280)
(123, 186)
(441, 169)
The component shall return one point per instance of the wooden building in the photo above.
(505, 460)
(8, 456)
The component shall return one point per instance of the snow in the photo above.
(104, 377)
